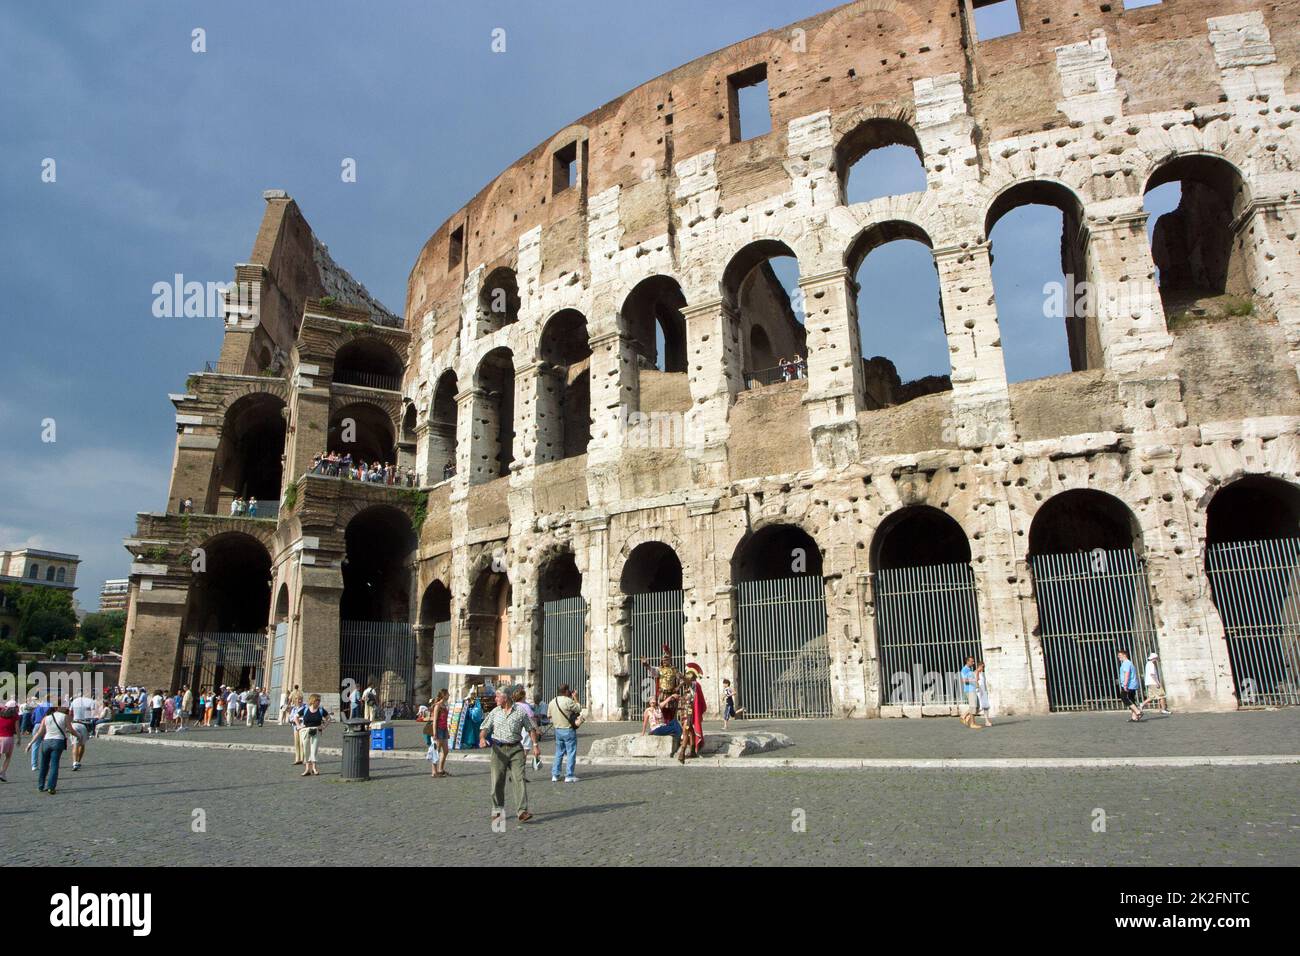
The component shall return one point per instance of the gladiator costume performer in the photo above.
(667, 681)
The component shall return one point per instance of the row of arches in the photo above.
(1085, 553)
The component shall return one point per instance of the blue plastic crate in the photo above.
(381, 739)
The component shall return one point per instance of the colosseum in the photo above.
(614, 427)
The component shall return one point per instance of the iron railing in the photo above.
(784, 659)
(352, 376)
(1256, 587)
(210, 659)
(927, 624)
(1091, 604)
(657, 620)
(564, 646)
(777, 373)
(380, 654)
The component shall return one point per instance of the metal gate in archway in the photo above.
(564, 646)
(1256, 587)
(379, 651)
(784, 659)
(927, 624)
(657, 620)
(212, 658)
(1091, 604)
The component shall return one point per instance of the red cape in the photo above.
(698, 709)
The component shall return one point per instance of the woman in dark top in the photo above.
(311, 724)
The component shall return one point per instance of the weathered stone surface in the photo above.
(719, 744)
(115, 729)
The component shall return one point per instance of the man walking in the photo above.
(1128, 684)
(565, 714)
(504, 730)
(85, 710)
(1155, 688)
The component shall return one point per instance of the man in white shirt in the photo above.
(84, 711)
(1155, 689)
(232, 706)
(248, 701)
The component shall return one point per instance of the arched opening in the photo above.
(783, 660)
(652, 317)
(760, 287)
(433, 641)
(1093, 598)
(368, 362)
(880, 157)
(1252, 558)
(1191, 203)
(927, 616)
(493, 437)
(563, 627)
(282, 605)
(224, 635)
(406, 446)
(1036, 247)
(651, 584)
(498, 301)
(363, 431)
(377, 646)
(442, 429)
(250, 455)
(900, 314)
(564, 388)
(488, 620)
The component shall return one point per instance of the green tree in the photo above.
(9, 656)
(44, 615)
(104, 631)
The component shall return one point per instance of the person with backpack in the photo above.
(371, 700)
(54, 733)
(566, 717)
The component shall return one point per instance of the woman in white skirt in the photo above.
(982, 690)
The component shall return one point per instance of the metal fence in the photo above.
(564, 646)
(211, 658)
(1256, 588)
(657, 620)
(927, 624)
(1091, 604)
(441, 655)
(382, 652)
(390, 383)
(785, 664)
(277, 663)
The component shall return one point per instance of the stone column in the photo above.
(835, 380)
(1123, 307)
(469, 466)
(316, 658)
(153, 635)
(981, 408)
(714, 366)
(536, 395)
(1266, 251)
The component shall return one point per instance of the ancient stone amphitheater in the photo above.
(609, 454)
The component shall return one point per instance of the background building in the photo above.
(28, 568)
(113, 595)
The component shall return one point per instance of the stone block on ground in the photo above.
(632, 745)
(719, 744)
(112, 730)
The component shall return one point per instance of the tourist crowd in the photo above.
(335, 465)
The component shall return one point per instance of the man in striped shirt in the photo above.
(504, 729)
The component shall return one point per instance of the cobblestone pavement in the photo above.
(137, 803)
(1052, 735)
